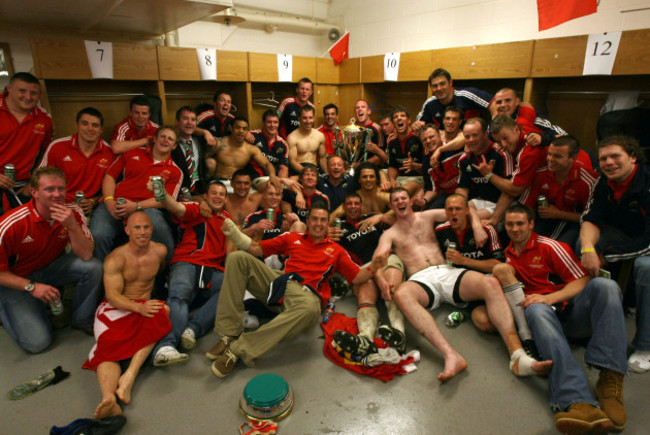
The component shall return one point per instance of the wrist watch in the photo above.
(29, 286)
(138, 207)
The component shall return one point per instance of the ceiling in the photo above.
(137, 17)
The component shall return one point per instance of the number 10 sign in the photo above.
(601, 53)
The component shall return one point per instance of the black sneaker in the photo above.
(394, 337)
(355, 344)
(531, 349)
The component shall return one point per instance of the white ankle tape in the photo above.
(525, 363)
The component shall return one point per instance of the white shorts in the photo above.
(402, 180)
(442, 284)
(482, 204)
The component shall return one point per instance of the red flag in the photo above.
(555, 12)
(339, 50)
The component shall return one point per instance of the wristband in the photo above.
(369, 269)
(92, 201)
(106, 198)
(488, 176)
(584, 251)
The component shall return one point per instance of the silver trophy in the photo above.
(351, 145)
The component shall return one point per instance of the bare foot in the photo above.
(108, 408)
(124, 386)
(542, 367)
(523, 365)
(454, 364)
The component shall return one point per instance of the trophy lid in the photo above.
(352, 127)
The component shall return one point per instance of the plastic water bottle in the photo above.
(328, 311)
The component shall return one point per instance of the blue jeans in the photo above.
(184, 282)
(595, 312)
(642, 292)
(25, 317)
(611, 236)
(107, 231)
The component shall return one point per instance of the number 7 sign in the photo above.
(100, 59)
(601, 53)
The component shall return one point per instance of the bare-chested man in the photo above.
(306, 144)
(373, 200)
(241, 202)
(128, 323)
(233, 153)
(432, 282)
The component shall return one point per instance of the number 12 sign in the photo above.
(601, 53)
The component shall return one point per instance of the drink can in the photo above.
(454, 319)
(120, 201)
(337, 223)
(158, 188)
(185, 194)
(451, 245)
(542, 201)
(270, 214)
(79, 197)
(10, 171)
(56, 307)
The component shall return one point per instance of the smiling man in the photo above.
(134, 169)
(298, 297)
(136, 130)
(83, 158)
(405, 155)
(233, 153)
(33, 239)
(375, 145)
(306, 144)
(25, 131)
(615, 227)
(216, 121)
(431, 281)
(289, 108)
(196, 270)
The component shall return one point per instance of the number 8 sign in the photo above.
(601, 53)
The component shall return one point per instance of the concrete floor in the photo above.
(486, 399)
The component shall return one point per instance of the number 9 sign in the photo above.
(285, 68)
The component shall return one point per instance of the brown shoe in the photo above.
(219, 348)
(609, 391)
(582, 418)
(224, 364)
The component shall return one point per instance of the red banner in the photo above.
(555, 12)
(339, 51)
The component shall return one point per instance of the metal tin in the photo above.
(454, 319)
(120, 201)
(79, 197)
(185, 194)
(451, 245)
(10, 171)
(56, 307)
(158, 188)
(542, 201)
(337, 223)
(270, 214)
(267, 397)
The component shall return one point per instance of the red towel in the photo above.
(120, 333)
(385, 372)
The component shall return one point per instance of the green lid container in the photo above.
(266, 397)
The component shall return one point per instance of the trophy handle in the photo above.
(337, 141)
(366, 139)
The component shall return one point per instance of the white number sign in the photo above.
(601, 53)
(207, 63)
(285, 68)
(391, 67)
(100, 58)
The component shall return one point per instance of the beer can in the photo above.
(79, 197)
(451, 245)
(158, 188)
(337, 223)
(185, 194)
(454, 319)
(542, 201)
(270, 214)
(56, 307)
(120, 201)
(10, 171)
